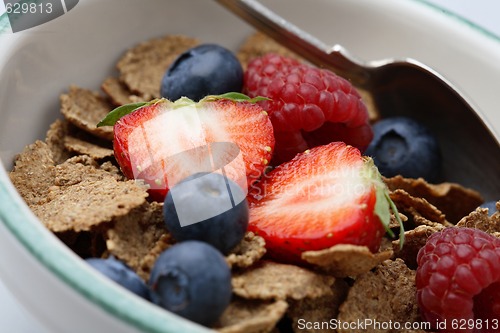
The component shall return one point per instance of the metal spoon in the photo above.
(471, 152)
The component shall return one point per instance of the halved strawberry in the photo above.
(325, 196)
(163, 142)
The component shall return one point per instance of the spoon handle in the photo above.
(304, 44)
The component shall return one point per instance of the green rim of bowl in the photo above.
(4, 24)
(459, 18)
(17, 217)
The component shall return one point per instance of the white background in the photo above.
(14, 319)
(482, 12)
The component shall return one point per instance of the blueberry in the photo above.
(120, 273)
(207, 207)
(207, 69)
(491, 205)
(193, 280)
(403, 146)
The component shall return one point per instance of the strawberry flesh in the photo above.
(165, 142)
(322, 197)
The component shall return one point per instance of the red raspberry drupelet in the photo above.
(308, 106)
(458, 280)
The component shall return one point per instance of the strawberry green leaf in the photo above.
(112, 117)
(396, 215)
(384, 205)
(234, 96)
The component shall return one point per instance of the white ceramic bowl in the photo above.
(82, 46)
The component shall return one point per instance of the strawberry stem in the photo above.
(395, 212)
(384, 204)
(112, 117)
(234, 96)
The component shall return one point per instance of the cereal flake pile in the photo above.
(73, 184)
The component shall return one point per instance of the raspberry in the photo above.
(308, 106)
(458, 280)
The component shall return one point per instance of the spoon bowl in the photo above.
(404, 87)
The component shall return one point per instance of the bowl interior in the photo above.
(82, 47)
